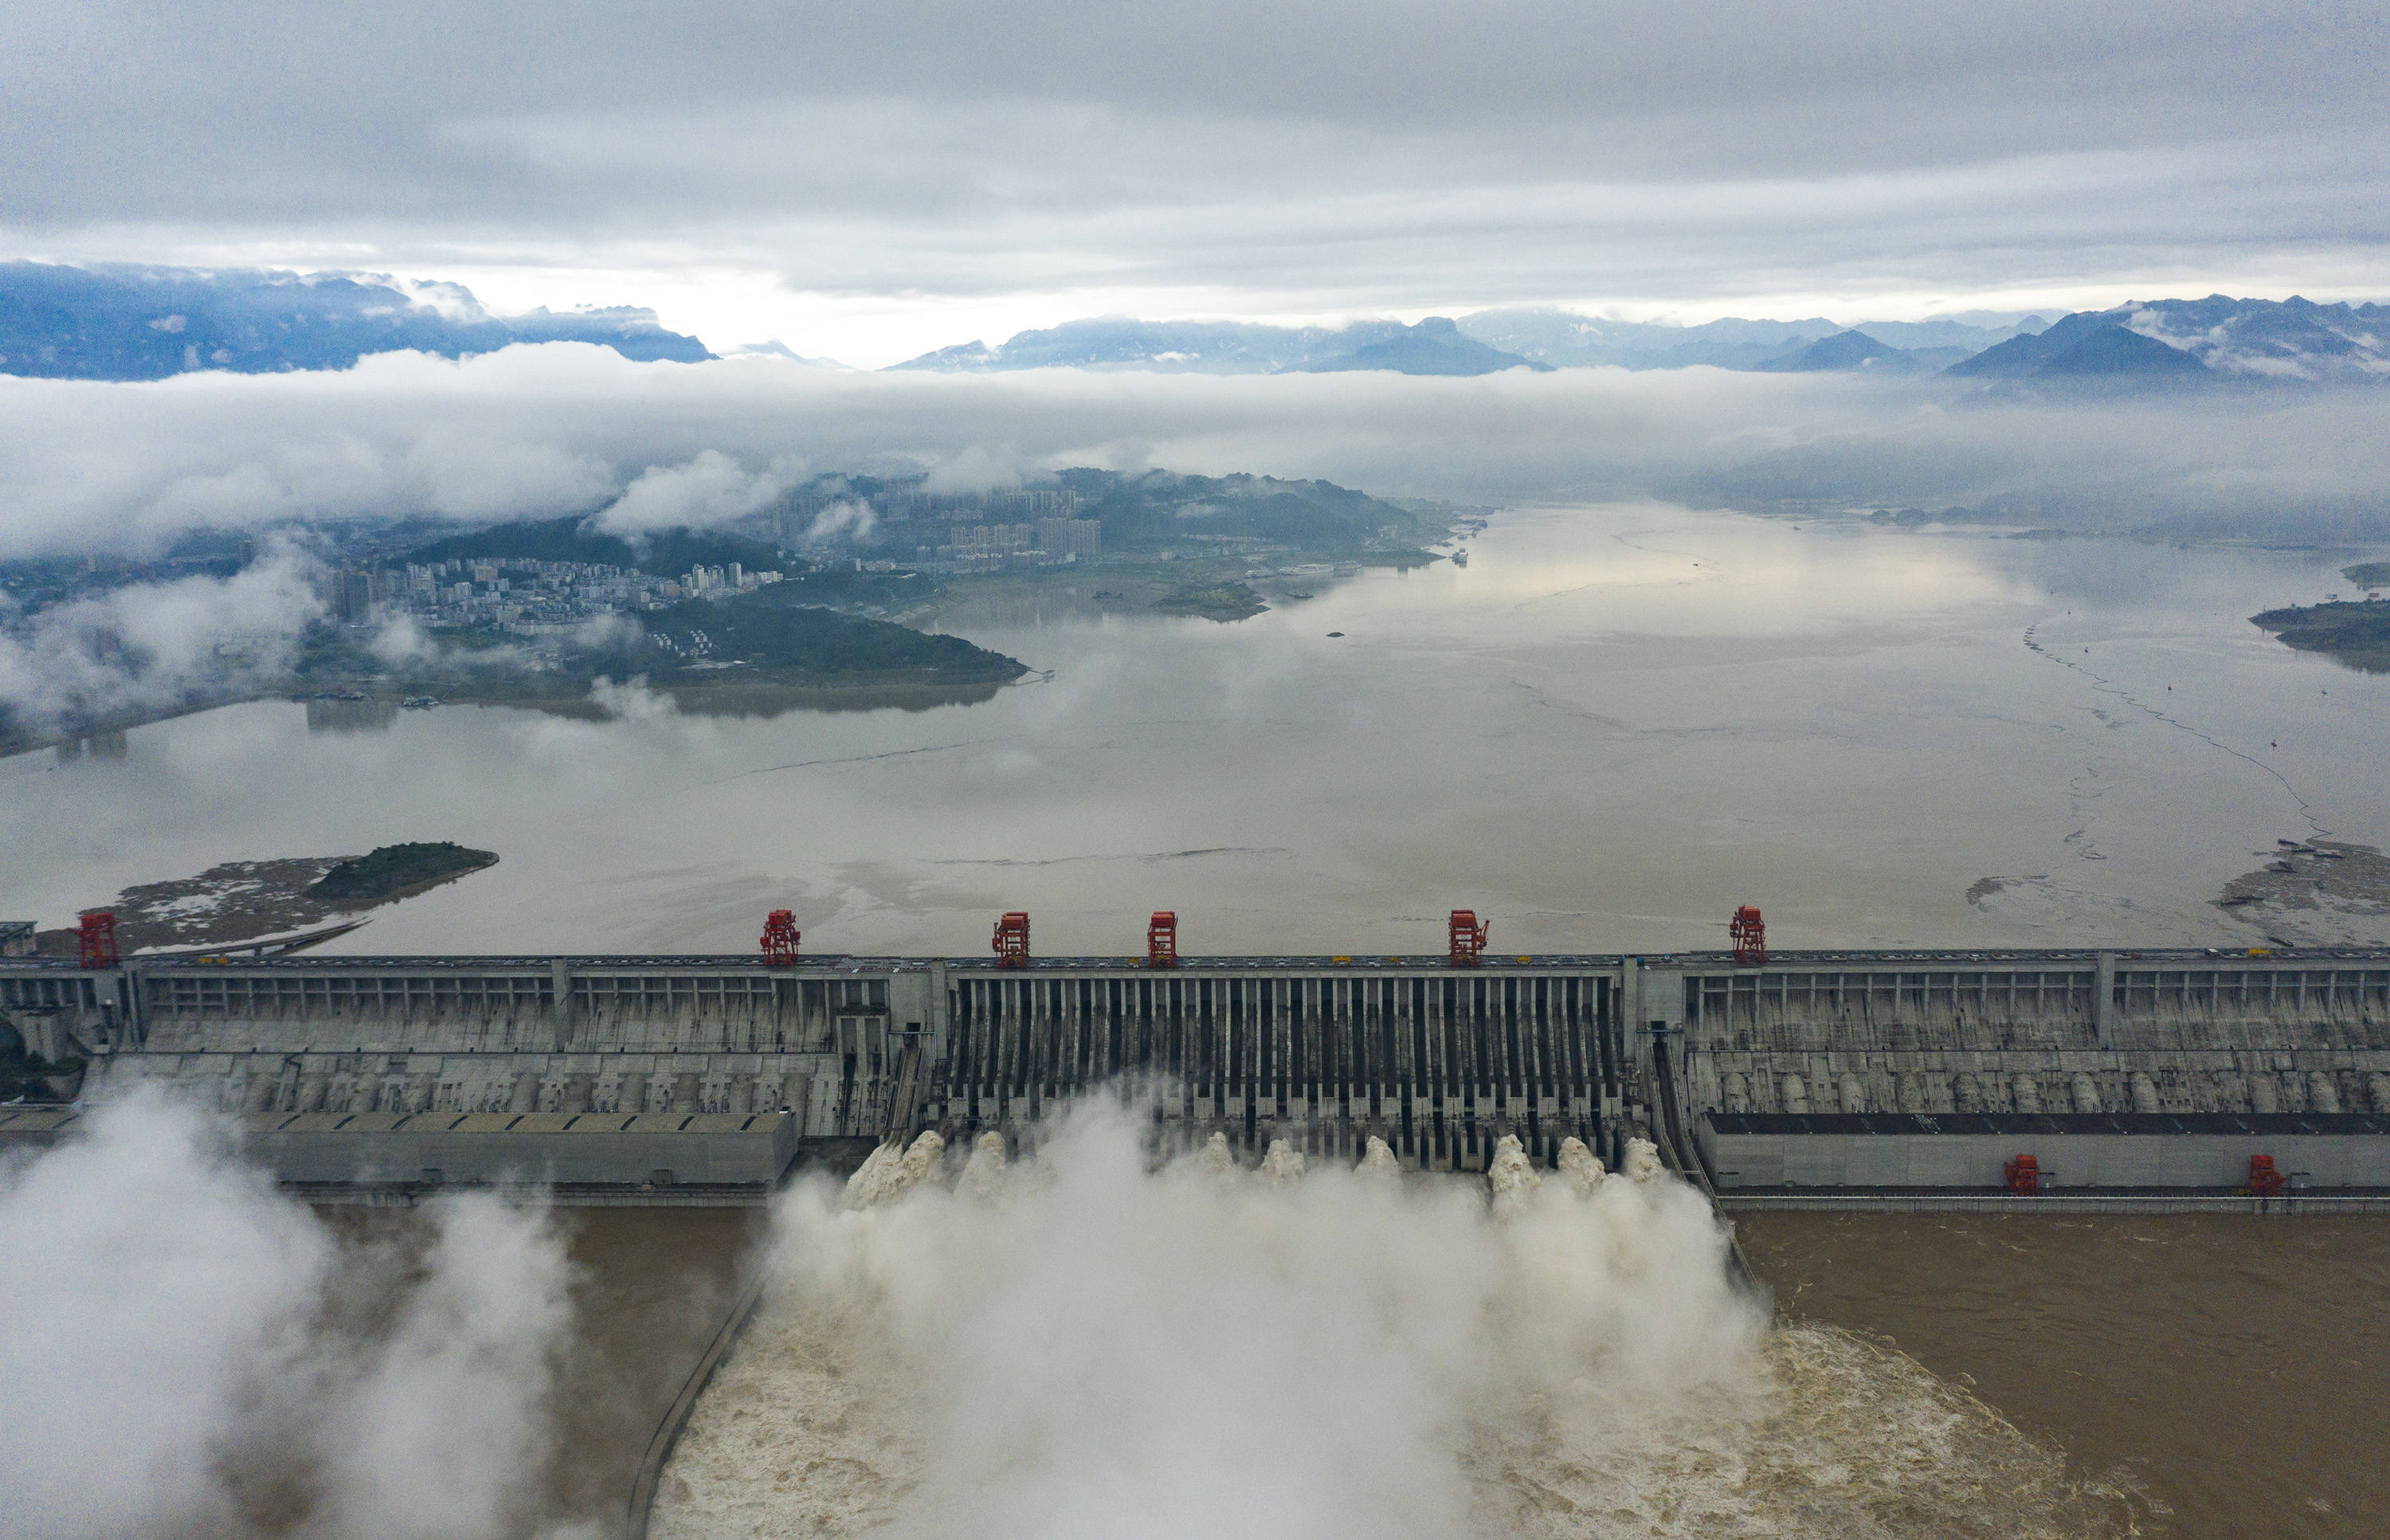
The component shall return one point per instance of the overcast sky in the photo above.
(865, 180)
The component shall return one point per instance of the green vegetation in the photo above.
(774, 633)
(2368, 575)
(1158, 509)
(395, 871)
(777, 634)
(665, 552)
(1223, 601)
(2354, 634)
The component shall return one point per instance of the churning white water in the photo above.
(1080, 1345)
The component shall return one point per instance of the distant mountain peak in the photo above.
(1845, 349)
(2085, 345)
(1435, 346)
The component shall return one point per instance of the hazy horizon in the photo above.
(867, 186)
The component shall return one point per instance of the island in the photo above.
(392, 872)
(2354, 632)
(751, 652)
(1215, 601)
(293, 900)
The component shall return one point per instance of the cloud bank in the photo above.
(711, 488)
(540, 431)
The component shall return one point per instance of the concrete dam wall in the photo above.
(1843, 1071)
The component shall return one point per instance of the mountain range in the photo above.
(1484, 342)
(1435, 346)
(147, 322)
(2182, 341)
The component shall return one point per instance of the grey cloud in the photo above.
(1262, 157)
(565, 428)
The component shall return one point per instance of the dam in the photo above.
(690, 1079)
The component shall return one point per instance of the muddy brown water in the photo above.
(2237, 1369)
(650, 1287)
(653, 1287)
(2234, 1372)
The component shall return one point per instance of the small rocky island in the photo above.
(2354, 632)
(1230, 600)
(250, 900)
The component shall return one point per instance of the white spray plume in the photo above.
(983, 1179)
(1512, 1179)
(1580, 1166)
(1110, 1349)
(442, 1437)
(1080, 1347)
(177, 1330)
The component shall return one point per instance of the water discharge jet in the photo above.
(1324, 1347)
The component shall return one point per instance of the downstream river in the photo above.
(1611, 727)
(2217, 1377)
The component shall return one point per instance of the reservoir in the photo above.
(1611, 728)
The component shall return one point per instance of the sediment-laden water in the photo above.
(1612, 728)
(2226, 1368)
(1080, 1347)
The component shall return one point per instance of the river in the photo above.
(2226, 1368)
(1611, 727)
(2221, 1372)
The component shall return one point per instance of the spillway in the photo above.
(701, 1078)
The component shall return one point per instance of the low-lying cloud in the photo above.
(538, 432)
(708, 488)
(188, 1352)
(149, 645)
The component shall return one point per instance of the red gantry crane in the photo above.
(1750, 933)
(1011, 942)
(780, 938)
(1161, 939)
(97, 939)
(1468, 938)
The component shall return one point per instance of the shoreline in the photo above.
(728, 698)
